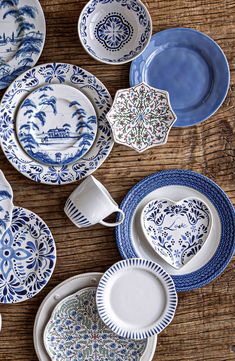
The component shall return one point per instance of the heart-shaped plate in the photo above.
(176, 231)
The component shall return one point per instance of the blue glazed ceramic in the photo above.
(177, 231)
(27, 257)
(191, 67)
(56, 124)
(114, 31)
(22, 36)
(224, 239)
(6, 204)
(50, 74)
(76, 332)
(136, 298)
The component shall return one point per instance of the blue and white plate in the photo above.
(176, 185)
(191, 67)
(136, 298)
(27, 257)
(115, 31)
(56, 124)
(22, 37)
(6, 204)
(47, 75)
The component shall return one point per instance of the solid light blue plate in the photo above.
(191, 67)
(220, 248)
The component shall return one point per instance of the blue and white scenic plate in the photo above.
(56, 124)
(27, 257)
(115, 31)
(22, 37)
(191, 67)
(47, 75)
(6, 204)
(136, 298)
(176, 185)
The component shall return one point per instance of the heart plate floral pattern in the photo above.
(176, 231)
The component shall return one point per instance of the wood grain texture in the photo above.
(204, 326)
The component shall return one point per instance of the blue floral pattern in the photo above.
(56, 73)
(114, 31)
(177, 231)
(27, 257)
(76, 332)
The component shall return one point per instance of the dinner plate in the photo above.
(63, 290)
(136, 298)
(22, 37)
(6, 204)
(176, 185)
(191, 67)
(27, 257)
(56, 124)
(50, 74)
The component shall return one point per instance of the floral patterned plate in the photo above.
(6, 204)
(22, 37)
(61, 292)
(141, 117)
(76, 332)
(177, 231)
(47, 74)
(27, 257)
(115, 31)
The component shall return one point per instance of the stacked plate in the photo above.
(68, 326)
(53, 126)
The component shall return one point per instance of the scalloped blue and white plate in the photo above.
(217, 251)
(27, 257)
(22, 37)
(50, 74)
(136, 298)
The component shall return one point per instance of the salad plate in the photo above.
(58, 294)
(191, 67)
(6, 204)
(56, 124)
(176, 185)
(136, 298)
(177, 231)
(75, 331)
(27, 257)
(22, 37)
(141, 117)
(47, 75)
(114, 31)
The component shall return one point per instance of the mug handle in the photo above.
(116, 223)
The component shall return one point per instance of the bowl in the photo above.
(115, 31)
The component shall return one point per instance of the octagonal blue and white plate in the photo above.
(176, 185)
(46, 75)
(22, 37)
(27, 257)
(191, 67)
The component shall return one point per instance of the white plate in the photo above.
(136, 298)
(64, 289)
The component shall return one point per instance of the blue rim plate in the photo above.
(209, 265)
(136, 298)
(191, 67)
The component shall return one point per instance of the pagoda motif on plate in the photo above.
(141, 117)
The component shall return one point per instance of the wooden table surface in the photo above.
(204, 326)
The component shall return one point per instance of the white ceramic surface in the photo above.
(66, 288)
(90, 203)
(142, 246)
(6, 204)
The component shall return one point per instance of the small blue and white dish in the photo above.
(177, 231)
(22, 37)
(115, 31)
(6, 204)
(56, 124)
(218, 249)
(191, 67)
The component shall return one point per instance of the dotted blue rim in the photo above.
(225, 251)
(159, 272)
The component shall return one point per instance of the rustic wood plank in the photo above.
(204, 326)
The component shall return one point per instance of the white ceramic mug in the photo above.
(90, 204)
